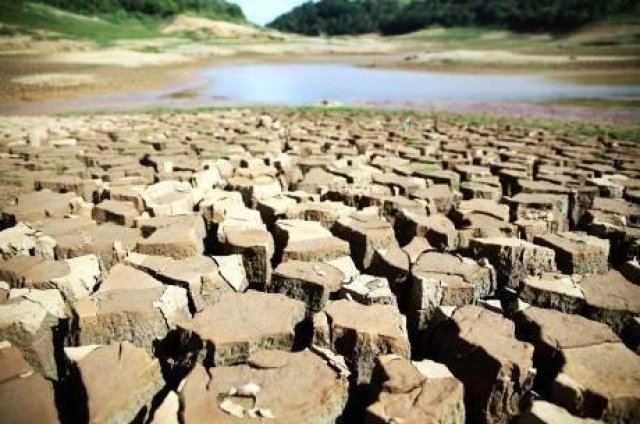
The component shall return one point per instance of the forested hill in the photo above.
(338, 17)
(214, 9)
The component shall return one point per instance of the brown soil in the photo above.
(106, 79)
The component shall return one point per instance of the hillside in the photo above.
(101, 24)
(213, 9)
(216, 28)
(41, 21)
(341, 17)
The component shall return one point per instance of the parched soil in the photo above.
(316, 267)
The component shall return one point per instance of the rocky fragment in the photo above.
(272, 386)
(169, 198)
(360, 333)
(480, 349)
(109, 242)
(553, 290)
(179, 240)
(369, 290)
(36, 322)
(513, 259)
(306, 241)
(543, 412)
(365, 234)
(124, 277)
(231, 269)
(40, 204)
(418, 392)
(551, 332)
(121, 213)
(135, 380)
(314, 283)
(257, 248)
(229, 331)
(199, 275)
(577, 253)
(75, 278)
(17, 240)
(437, 229)
(441, 279)
(25, 396)
(599, 381)
(140, 316)
(610, 298)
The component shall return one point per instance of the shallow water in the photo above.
(299, 84)
(304, 84)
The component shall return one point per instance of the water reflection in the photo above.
(303, 84)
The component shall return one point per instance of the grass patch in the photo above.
(11, 175)
(599, 38)
(12, 178)
(36, 16)
(586, 102)
(558, 126)
(456, 34)
(484, 38)
(431, 168)
(184, 94)
(61, 168)
(214, 155)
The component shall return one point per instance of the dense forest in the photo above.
(336, 17)
(218, 9)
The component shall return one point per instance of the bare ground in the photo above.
(49, 76)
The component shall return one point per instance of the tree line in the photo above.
(219, 9)
(342, 17)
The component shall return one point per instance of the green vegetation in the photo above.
(335, 17)
(214, 9)
(603, 103)
(214, 155)
(431, 168)
(31, 17)
(338, 17)
(184, 94)
(61, 168)
(610, 37)
(14, 177)
(105, 21)
(558, 126)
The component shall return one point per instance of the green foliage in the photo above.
(218, 9)
(431, 168)
(61, 168)
(29, 17)
(333, 17)
(107, 20)
(337, 17)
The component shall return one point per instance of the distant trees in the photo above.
(335, 17)
(219, 9)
